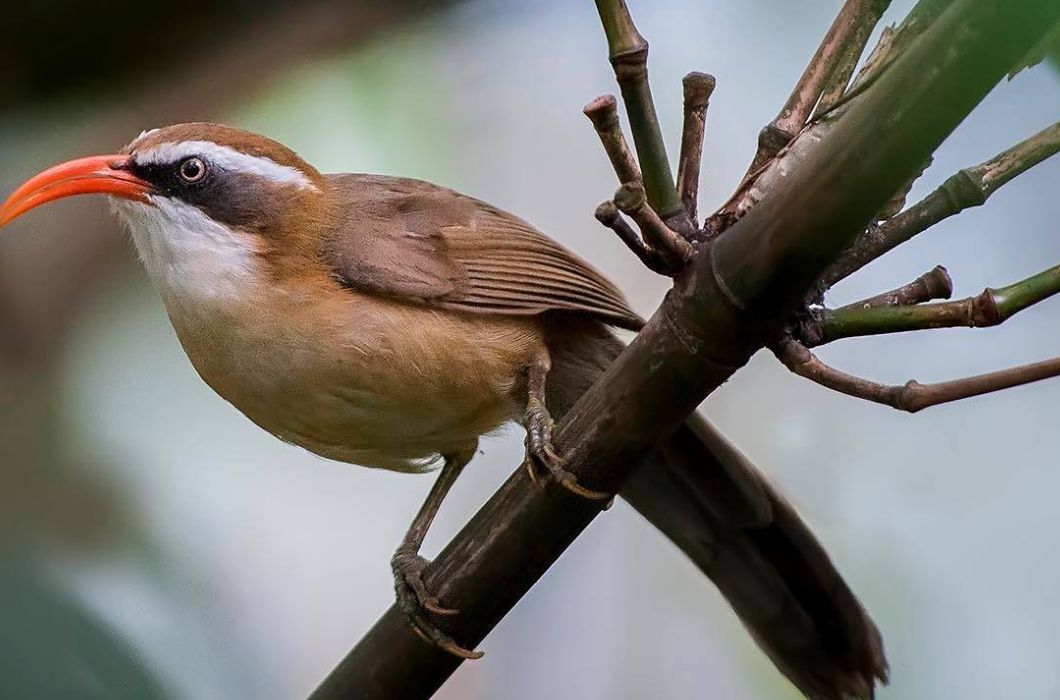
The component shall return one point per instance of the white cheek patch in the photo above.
(192, 259)
(227, 159)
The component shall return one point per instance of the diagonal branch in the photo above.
(911, 396)
(735, 296)
(847, 59)
(893, 42)
(970, 187)
(989, 308)
(837, 55)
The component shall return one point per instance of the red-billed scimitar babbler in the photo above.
(390, 323)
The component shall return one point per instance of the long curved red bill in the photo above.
(92, 175)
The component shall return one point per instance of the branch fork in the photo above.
(666, 244)
(664, 211)
(903, 310)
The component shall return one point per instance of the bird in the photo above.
(391, 323)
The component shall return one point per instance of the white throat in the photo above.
(193, 260)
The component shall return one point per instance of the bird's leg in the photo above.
(413, 598)
(539, 426)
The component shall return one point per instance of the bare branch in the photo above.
(847, 59)
(933, 284)
(698, 89)
(848, 34)
(967, 188)
(989, 308)
(608, 215)
(893, 42)
(911, 396)
(603, 113)
(991, 175)
(673, 250)
(628, 52)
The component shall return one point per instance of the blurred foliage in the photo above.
(53, 648)
(61, 46)
(48, 490)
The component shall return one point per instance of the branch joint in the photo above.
(631, 66)
(671, 248)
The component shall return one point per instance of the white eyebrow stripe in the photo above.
(227, 159)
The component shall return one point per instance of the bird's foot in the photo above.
(542, 453)
(418, 604)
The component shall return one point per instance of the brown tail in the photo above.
(741, 532)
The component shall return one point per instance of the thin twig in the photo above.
(608, 215)
(812, 327)
(893, 42)
(603, 113)
(933, 284)
(856, 18)
(847, 59)
(628, 52)
(673, 250)
(778, 151)
(911, 396)
(967, 188)
(698, 88)
(989, 308)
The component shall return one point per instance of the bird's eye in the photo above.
(192, 170)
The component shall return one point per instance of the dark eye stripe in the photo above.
(167, 178)
(230, 197)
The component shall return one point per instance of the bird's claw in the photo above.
(417, 603)
(542, 453)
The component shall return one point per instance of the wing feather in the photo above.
(419, 242)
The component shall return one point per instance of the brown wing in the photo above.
(413, 240)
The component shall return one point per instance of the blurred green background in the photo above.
(155, 544)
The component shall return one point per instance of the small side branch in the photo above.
(847, 59)
(848, 33)
(911, 396)
(970, 187)
(608, 215)
(1007, 165)
(698, 88)
(933, 284)
(603, 113)
(989, 308)
(628, 52)
(672, 250)
(894, 42)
